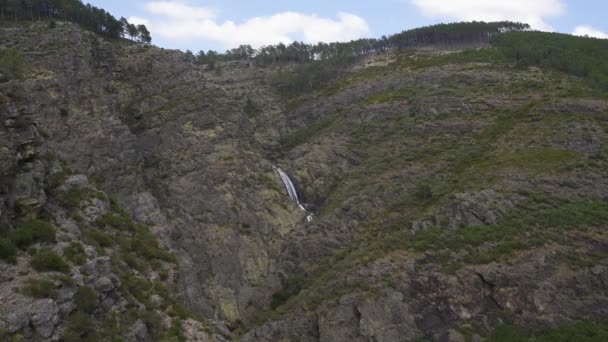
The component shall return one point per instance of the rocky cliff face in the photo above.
(451, 196)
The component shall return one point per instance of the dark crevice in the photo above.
(490, 286)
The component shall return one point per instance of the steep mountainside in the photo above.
(456, 196)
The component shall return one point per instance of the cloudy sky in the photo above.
(222, 24)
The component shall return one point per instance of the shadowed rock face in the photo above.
(415, 173)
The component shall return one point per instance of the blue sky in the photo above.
(218, 25)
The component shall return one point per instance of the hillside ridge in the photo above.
(458, 194)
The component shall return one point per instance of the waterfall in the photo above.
(291, 190)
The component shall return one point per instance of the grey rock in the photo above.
(18, 320)
(144, 208)
(90, 251)
(75, 181)
(78, 279)
(94, 208)
(97, 267)
(138, 332)
(29, 188)
(452, 336)
(104, 284)
(477, 338)
(42, 315)
(156, 301)
(66, 308)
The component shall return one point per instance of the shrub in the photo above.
(153, 322)
(39, 288)
(75, 253)
(74, 196)
(145, 244)
(86, 299)
(175, 332)
(64, 279)
(120, 221)
(584, 331)
(138, 287)
(423, 192)
(80, 328)
(509, 333)
(251, 109)
(12, 63)
(291, 287)
(96, 236)
(31, 232)
(47, 260)
(8, 251)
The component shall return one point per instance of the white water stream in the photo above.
(291, 190)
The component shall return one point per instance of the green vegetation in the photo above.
(305, 134)
(75, 195)
(39, 288)
(291, 287)
(454, 35)
(89, 17)
(583, 331)
(75, 253)
(86, 299)
(81, 327)
(12, 64)
(47, 260)
(423, 192)
(31, 232)
(538, 221)
(26, 234)
(97, 238)
(135, 252)
(120, 221)
(251, 109)
(584, 57)
(307, 77)
(485, 55)
(8, 251)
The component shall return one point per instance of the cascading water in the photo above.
(291, 190)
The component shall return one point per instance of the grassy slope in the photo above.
(413, 163)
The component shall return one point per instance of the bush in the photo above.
(31, 232)
(583, 331)
(8, 251)
(96, 236)
(175, 332)
(153, 322)
(251, 109)
(75, 253)
(12, 63)
(86, 299)
(145, 244)
(47, 260)
(423, 192)
(292, 286)
(39, 288)
(119, 221)
(80, 328)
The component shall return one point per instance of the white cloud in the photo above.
(177, 20)
(585, 30)
(527, 11)
(179, 10)
(138, 21)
